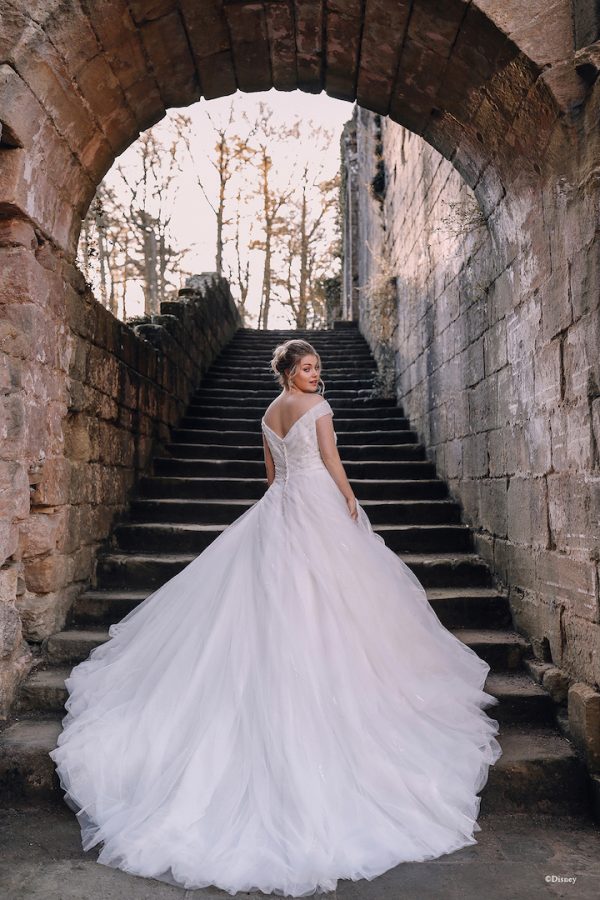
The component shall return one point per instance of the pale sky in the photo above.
(193, 222)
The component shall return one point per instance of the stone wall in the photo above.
(494, 333)
(85, 401)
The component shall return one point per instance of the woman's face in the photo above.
(307, 374)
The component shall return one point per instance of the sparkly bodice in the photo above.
(299, 450)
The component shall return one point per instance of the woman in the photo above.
(288, 709)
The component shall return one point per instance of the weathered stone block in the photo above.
(584, 722)
(548, 373)
(483, 405)
(497, 452)
(563, 580)
(514, 564)
(495, 348)
(580, 648)
(17, 233)
(527, 506)
(12, 671)
(584, 280)
(493, 511)
(581, 358)
(45, 614)
(9, 540)
(573, 507)
(48, 573)
(538, 441)
(474, 369)
(176, 77)
(556, 682)
(39, 532)
(51, 485)
(10, 630)
(475, 455)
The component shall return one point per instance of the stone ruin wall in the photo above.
(493, 347)
(85, 402)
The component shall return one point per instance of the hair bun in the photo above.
(287, 356)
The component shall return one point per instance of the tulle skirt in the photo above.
(286, 711)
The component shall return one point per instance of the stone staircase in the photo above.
(213, 471)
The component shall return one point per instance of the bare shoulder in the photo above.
(316, 401)
(297, 405)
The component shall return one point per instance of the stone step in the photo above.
(363, 408)
(254, 488)
(267, 394)
(348, 349)
(439, 569)
(94, 608)
(44, 690)
(187, 434)
(220, 511)
(262, 376)
(470, 607)
(335, 356)
(351, 362)
(318, 339)
(455, 607)
(344, 423)
(341, 328)
(335, 342)
(521, 699)
(538, 772)
(265, 370)
(338, 352)
(193, 445)
(194, 538)
(240, 468)
(266, 382)
(148, 571)
(501, 649)
(315, 337)
(442, 537)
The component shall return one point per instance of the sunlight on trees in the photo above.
(250, 192)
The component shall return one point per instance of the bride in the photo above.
(288, 709)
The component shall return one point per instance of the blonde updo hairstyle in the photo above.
(287, 356)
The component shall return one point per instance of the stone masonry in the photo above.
(75, 441)
(491, 344)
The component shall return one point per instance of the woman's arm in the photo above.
(269, 464)
(331, 457)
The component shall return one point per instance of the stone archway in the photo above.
(80, 80)
(493, 88)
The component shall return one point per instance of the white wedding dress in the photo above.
(285, 711)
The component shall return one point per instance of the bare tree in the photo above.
(152, 190)
(241, 274)
(273, 198)
(309, 232)
(232, 151)
(275, 225)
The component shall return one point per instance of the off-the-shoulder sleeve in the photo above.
(322, 409)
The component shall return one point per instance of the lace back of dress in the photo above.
(299, 450)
